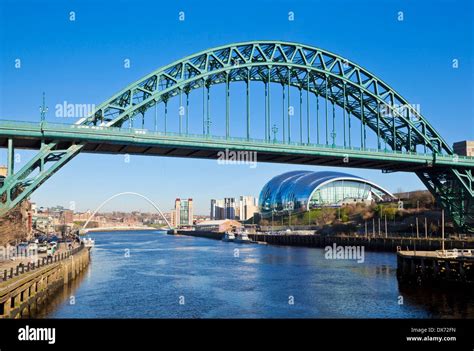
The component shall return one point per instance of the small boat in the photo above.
(88, 242)
(242, 237)
(228, 236)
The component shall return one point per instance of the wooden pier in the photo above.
(389, 244)
(441, 267)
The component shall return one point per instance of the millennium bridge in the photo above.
(313, 108)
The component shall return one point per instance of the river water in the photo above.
(155, 275)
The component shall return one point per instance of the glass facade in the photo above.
(297, 191)
(340, 192)
(184, 213)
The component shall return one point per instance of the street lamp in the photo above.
(275, 131)
(43, 109)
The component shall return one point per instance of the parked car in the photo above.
(53, 238)
(51, 251)
(42, 248)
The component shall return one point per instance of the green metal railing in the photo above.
(64, 127)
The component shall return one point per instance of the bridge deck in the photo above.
(106, 140)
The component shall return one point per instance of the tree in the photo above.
(328, 215)
(391, 212)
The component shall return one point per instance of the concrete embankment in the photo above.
(390, 244)
(25, 288)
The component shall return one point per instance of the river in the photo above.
(154, 275)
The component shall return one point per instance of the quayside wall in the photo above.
(26, 288)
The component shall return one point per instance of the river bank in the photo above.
(25, 289)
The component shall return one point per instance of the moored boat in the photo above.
(242, 237)
(228, 236)
(88, 242)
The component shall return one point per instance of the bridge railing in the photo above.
(50, 126)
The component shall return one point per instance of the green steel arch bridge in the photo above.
(315, 108)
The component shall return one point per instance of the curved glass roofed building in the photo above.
(299, 191)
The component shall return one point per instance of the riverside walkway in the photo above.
(25, 286)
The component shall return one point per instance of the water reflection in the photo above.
(440, 302)
(65, 295)
(167, 276)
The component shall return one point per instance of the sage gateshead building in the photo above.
(300, 191)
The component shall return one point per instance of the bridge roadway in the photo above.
(110, 140)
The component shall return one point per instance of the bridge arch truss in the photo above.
(315, 75)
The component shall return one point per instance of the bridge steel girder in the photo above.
(318, 71)
(18, 186)
(98, 139)
(452, 195)
(215, 66)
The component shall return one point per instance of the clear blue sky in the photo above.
(82, 62)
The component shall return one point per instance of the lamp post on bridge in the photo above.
(43, 109)
(208, 126)
(333, 136)
(275, 131)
